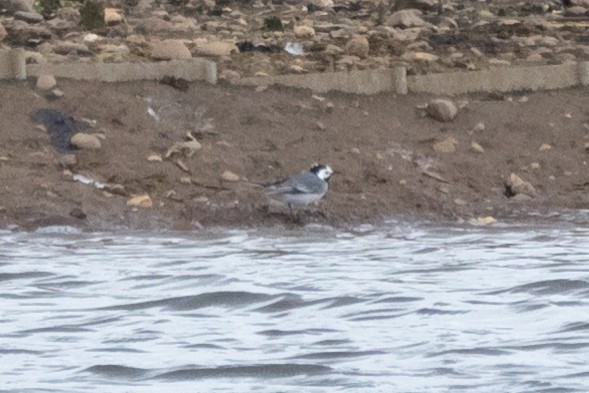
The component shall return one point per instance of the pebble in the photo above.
(85, 141)
(475, 147)
(446, 146)
(442, 110)
(229, 176)
(304, 32)
(545, 146)
(155, 158)
(141, 201)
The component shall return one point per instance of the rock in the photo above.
(85, 141)
(581, 3)
(34, 58)
(68, 160)
(13, 6)
(169, 50)
(521, 198)
(420, 56)
(548, 41)
(78, 213)
(358, 46)
(229, 176)
(29, 17)
(488, 220)
(479, 127)
(535, 165)
(112, 16)
(230, 76)
(21, 33)
(545, 146)
(304, 32)
(518, 186)
(141, 201)
(323, 3)
(442, 110)
(46, 82)
(333, 50)
(68, 47)
(576, 11)
(587, 147)
(406, 18)
(155, 158)
(446, 146)
(475, 147)
(215, 49)
(3, 32)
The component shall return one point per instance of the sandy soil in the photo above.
(381, 148)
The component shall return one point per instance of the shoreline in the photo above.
(390, 157)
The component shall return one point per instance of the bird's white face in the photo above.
(324, 172)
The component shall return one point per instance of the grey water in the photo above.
(406, 307)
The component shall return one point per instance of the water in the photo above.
(404, 308)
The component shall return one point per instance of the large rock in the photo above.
(112, 16)
(215, 49)
(358, 46)
(406, 18)
(13, 6)
(442, 110)
(519, 186)
(169, 50)
(85, 141)
(21, 32)
(29, 17)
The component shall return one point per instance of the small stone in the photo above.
(420, 56)
(141, 201)
(358, 46)
(46, 82)
(229, 176)
(488, 220)
(460, 202)
(169, 50)
(57, 93)
(545, 146)
(329, 107)
(479, 127)
(85, 141)
(446, 146)
(475, 147)
(182, 166)
(320, 126)
(68, 160)
(535, 165)
(304, 32)
(297, 69)
(92, 38)
(333, 50)
(568, 115)
(112, 16)
(155, 158)
(521, 198)
(186, 180)
(442, 110)
(78, 213)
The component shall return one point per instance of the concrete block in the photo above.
(190, 70)
(356, 82)
(500, 80)
(12, 64)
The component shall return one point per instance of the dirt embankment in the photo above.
(386, 153)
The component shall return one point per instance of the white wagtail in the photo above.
(302, 189)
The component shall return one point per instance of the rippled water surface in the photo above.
(404, 308)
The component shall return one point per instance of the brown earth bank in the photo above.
(390, 158)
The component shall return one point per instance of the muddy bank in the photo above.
(390, 158)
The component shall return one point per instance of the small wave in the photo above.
(257, 371)
(23, 275)
(182, 303)
(116, 371)
(338, 355)
(471, 351)
(547, 287)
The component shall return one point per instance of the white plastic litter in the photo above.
(88, 180)
(294, 48)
